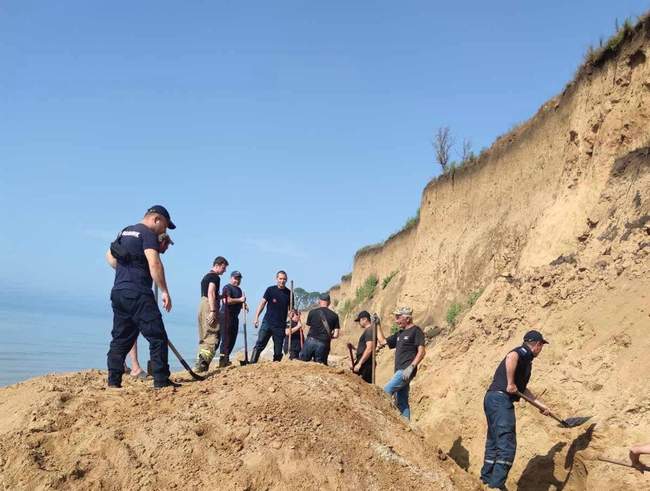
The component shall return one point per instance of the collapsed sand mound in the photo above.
(268, 426)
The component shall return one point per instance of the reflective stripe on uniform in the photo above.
(505, 462)
(489, 461)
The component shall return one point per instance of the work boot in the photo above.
(166, 383)
(223, 361)
(201, 365)
(255, 355)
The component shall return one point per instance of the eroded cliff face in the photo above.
(553, 226)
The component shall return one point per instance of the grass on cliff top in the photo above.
(596, 56)
(410, 223)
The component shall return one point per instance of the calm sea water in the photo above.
(37, 343)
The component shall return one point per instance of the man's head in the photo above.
(235, 278)
(403, 316)
(363, 318)
(157, 219)
(324, 299)
(281, 278)
(535, 341)
(219, 265)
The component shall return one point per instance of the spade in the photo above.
(565, 423)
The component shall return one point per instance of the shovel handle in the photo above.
(620, 462)
(532, 401)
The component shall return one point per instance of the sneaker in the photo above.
(201, 366)
(166, 383)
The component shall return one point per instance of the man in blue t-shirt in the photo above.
(510, 379)
(233, 301)
(135, 256)
(276, 301)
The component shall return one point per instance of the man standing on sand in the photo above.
(208, 317)
(233, 301)
(135, 255)
(510, 379)
(363, 364)
(408, 342)
(323, 326)
(293, 333)
(276, 301)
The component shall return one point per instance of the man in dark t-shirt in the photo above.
(293, 347)
(408, 342)
(323, 326)
(363, 362)
(208, 316)
(276, 300)
(233, 301)
(135, 256)
(510, 379)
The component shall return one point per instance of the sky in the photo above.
(281, 135)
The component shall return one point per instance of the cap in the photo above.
(534, 336)
(235, 274)
(403, 311)
(362, 315)
(161, 210)
(325, 297)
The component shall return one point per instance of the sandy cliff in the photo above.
(553, 226)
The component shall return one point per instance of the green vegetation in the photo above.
(346, 308)
(304, 299)
(346, 277)
(473, 297)
(393, 329)
(363, 293)
(452, 313)
(386, 280)
(596, 56)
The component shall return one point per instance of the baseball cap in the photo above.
(534, 336)
(325, 297)
(161, 210)
(364, 314)
(235, 274)
(403, 311)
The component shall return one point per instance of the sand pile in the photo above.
(268, 426)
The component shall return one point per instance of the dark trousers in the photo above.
(267, 332)
(135, 312)
(501, 440)
(365, 372)
(229, 334)
(315, 350)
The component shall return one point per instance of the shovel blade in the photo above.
(575, 421)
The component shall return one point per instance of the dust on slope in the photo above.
(267, 426)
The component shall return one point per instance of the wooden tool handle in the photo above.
(532, 401)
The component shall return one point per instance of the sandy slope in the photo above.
(270, 426)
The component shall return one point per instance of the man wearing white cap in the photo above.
(409, 352)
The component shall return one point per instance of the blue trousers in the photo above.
(229, 333)
(267, 332)
(501, 439)
(135, 312)
(398, 386)
(316, 350)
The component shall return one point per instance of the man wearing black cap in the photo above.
(510, 379)
(233, 301)
(135, 255)
(323, 326)
(363, 363)
(208, 317)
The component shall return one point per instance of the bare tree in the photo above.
(467, 153)
(442, 143)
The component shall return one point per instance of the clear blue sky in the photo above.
(278, 134)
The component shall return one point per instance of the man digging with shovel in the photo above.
(508, 385)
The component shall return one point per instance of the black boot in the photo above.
(223, 361)
(255, 355)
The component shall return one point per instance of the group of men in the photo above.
(135, 256)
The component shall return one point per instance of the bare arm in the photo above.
(420, 355)
(636, 451)
(258, 312)
(110, 259)
(511, 365)
(537, 402)
(158, 274)
(241, 299)
(212, 297)
(335, 334)
(367, 353)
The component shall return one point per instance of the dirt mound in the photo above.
(268, 426)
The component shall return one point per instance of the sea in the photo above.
(34, 343)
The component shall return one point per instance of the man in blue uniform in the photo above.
(233, 301)
(276, 301)
(135, 255)
(408, 342)
(511, 377)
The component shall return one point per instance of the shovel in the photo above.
(565, 423)
(245, 360)
(351, 351)
(642, 468)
